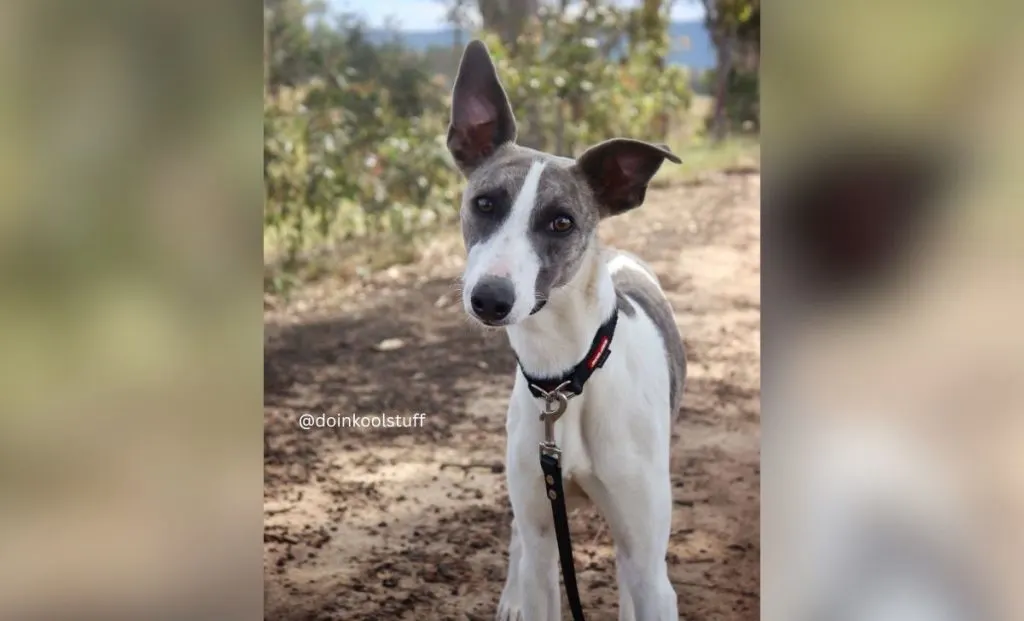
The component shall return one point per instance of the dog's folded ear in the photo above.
(482, 117)
(618, 172)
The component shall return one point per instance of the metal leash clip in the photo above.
(555, 404)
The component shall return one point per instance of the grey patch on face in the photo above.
(634, 287)
(560, 192)
(500, 178)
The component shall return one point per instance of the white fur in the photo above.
(508, 253)
(615, 437)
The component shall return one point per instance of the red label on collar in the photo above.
(598, 356)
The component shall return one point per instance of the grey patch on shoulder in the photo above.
(635, 287)
(625, 306)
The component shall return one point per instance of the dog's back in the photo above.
(636, 286)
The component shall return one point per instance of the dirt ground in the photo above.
(412, 523)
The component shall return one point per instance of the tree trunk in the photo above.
(719, 122)
(533, 137)
(560, 130)
(652, 28)
(457, 43)
(507, 18)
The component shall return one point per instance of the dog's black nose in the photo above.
(492, 298)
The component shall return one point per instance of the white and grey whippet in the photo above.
(536, 269)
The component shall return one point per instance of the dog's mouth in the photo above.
(507, 321)
(493, 324)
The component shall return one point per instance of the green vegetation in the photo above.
(354, 147)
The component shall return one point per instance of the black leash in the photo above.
(556, 394)
(553, 481)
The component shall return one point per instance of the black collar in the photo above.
(599, 350)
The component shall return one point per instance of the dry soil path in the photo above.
(413, 523)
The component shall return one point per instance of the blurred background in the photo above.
(356, 106)
(134, 305)
(891, 383)
(130, 462)
(363, 314)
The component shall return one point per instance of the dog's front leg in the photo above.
(538, 574)
(510, 607)
(531, 587)
(532, 584)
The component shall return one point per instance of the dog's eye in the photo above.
(561, 224)
(483, 204)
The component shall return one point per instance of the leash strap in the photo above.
(553, 481)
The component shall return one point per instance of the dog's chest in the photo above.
(587, 435)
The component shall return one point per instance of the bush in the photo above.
(576, 82)
(741, 102)
(333, 174)
(359, 150)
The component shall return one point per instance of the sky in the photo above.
(429, 14)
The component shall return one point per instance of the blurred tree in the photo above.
(508, 18)
(457, 14)
(287, 41)
(650, 23)
(582, 80)
(735, 30)
(354, 125)
(350, 129)
(648, 27)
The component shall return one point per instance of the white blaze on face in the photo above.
(508, 253)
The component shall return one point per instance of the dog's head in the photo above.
(529, 218)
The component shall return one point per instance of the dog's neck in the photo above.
(558, 337)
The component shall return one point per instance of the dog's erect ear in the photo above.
(482, 117)
(619, 170)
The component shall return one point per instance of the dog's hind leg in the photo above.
(645, 577)
(510, 607)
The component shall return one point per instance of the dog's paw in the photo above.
(508, 610)
(507, 613)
